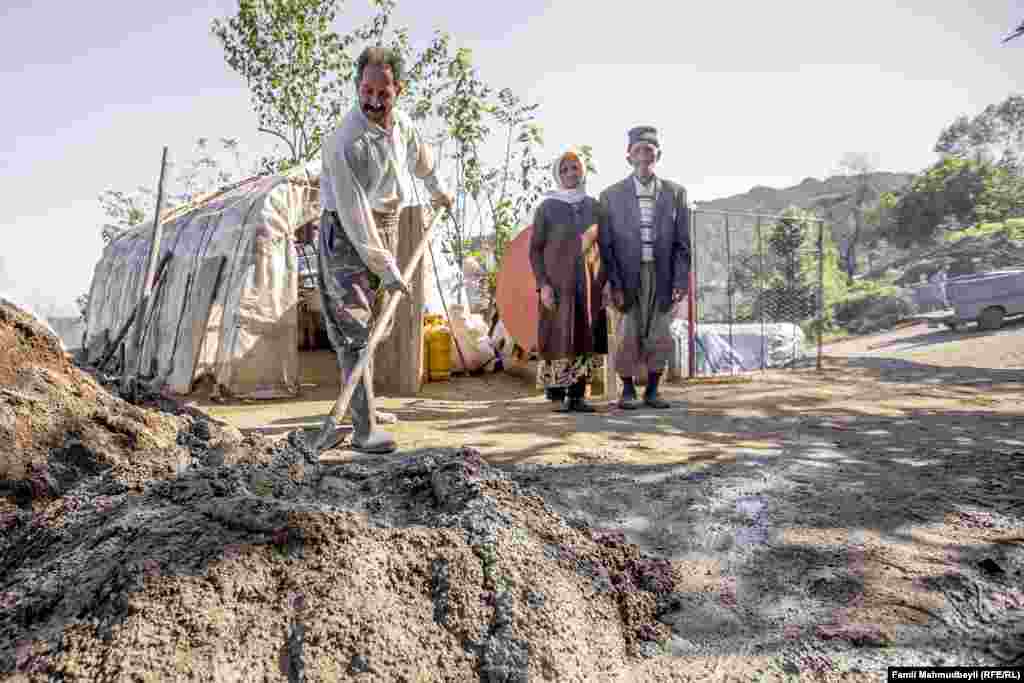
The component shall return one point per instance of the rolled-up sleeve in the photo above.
(423, 163)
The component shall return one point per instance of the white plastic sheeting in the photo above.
(470, 331)
(468, 293)
(749, 346)
(244, 332)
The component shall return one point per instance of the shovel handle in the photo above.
(391, 305)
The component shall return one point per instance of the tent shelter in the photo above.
(237, 322)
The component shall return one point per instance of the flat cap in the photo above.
(647, 135)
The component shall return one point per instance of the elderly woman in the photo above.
(566, 264)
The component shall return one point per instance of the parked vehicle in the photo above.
(985, 298)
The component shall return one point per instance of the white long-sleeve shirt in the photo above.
(367, 168)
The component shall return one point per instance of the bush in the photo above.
(871, 305)
(1013, 228)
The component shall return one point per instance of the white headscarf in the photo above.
(578, 193)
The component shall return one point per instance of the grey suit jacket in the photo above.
(619, 239)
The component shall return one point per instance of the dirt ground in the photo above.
(786, 525)
(826, 523)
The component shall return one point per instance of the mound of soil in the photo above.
(50, 410)
(146, 545)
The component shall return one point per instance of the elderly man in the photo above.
(644, 236)
(368, 164)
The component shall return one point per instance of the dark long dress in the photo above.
(568, 336)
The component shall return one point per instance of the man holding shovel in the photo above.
(365, 184)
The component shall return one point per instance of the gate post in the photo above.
(691, 299)
(821, 287)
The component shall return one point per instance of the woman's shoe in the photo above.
(578, 405)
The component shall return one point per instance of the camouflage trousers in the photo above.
(351, 301)
(350, 295)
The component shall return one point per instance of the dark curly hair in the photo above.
(380, 56)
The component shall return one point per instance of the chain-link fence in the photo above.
(756, 294)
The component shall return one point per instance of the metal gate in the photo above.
(756, 296)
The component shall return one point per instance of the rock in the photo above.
(856, 634)
(991, 566)
(359, 664)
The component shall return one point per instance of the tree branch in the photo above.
(277, 134)
(508, 155)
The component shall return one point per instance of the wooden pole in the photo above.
(692, 297)
(349, 387)
(821, 288)
(127, 379)
(112, 346)
(398, 360)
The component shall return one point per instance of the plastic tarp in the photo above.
(470, 331)
(243, 332)
(454, 293)
(749, 346)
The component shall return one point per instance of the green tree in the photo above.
(299, 71)
(859, 167)
(296, 67)
(498, 195)
(954, 193)
(996, 134)
(789, 285)
(207, 170)
(464, 107)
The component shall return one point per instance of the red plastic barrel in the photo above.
(517, 291)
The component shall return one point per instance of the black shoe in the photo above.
(651, 398)
(628, 400)
(654, 401)
(578, 405)
(555, 395)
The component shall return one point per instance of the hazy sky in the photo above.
(744, 93)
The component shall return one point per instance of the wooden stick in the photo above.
(349, 386)
(147, 324)
(112, 346)
(147, 285)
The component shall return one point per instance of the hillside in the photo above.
(830, 196)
